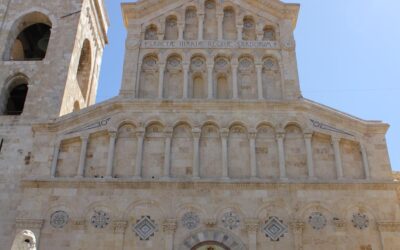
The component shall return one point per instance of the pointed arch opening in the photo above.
(29, 38)
(14, 96)
(84, 68)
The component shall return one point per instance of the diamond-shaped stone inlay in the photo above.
(145, 228)
(100, 219)
(59, 219)
(317, 220)
(190, 220)
(274, 228)
(360, 221)
(231, 220)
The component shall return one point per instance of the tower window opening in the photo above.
(16, 99)
(31, 43)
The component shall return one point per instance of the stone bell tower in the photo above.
(50, 56)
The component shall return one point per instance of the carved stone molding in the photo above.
(119, 226)
(79, 224)
(340, 224)
(170, 226)
(210, 222)
(388, 226)
(29, 224)
(252, 225)
(297, 226)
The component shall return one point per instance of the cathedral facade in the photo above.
(208, 146)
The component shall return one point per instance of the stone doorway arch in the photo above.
(218, 238)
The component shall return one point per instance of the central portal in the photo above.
(210, 245)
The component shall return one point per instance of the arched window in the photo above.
(171, 28)
(151, 33)
(249, 29)
(229, 24)
(191, 24)
(269, 33)
(84, 68)
(210, 22)
(14, 98)
(29, 38)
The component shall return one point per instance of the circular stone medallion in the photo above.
(230, 220)
(59, 219)
(360, 221)
(190, 220)
(100, 219)
(317, 220)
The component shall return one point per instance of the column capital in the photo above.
(140, 132)
(168, 132)
(252, 134)
(85, 137)
(252, 225)
(388, 226)
(280, 136)
(196, 132)
(169, 226)
(112, 133)
(186, 66)
(201, 14)
(308, 135)
(336, 139)
(224, 132)
(210, 66)
(119, 226)
(340, 224)
(259, 65)
(297, 226)
(161, 65)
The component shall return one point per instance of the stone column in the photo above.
(210, 69)
(82, 158)
(224, 138)
(196, 152)
(119, 228)
(338, 157)
(201, 26)
(298, 228)
(139, 153)
(310, 159)
(54, 161)
(185, 80)
(281, 153)
(364, 155)
(167, 152)
(169, 228)
(161, 69)
(253, 157)
(239, 28)
(111, 152)
(137, 85)
(220, 19)
(259, 68)
(235, 93)
(181, 28)
(33, 225)
(252, 228)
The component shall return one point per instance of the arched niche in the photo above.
(295, 152)
(171, 28)
(238, 152)
(153, 151)
(84, 68)
(191, 24)
(210, 151)
(267, 152)
(14, 96)
(77, 106)
(210, 21)
(269, 33)
(249, 29)
(29, 38)
(271, 78)
(173, 80)
(125, 151)
(149, 77)
(229, 24)
(222, 78)
(182, 151)
(246, 78)
(198, 76)
(151, 32)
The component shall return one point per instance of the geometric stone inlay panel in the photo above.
(59, 219)
(360, 221)
(145, 228)
(274, 228)
(190, 220)
(100, 219)
(230, 220)
(317, 220)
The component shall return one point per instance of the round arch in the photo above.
(213, 237)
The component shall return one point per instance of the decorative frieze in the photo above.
(223, 44)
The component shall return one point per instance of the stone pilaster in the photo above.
(196, 132)
(167, 153)
(119, 228)
(260, 93)
(161, 69)
(338, 157)
(56, 153)
(82, 158)
(140, 133)
(185, 80)
(252, 226)
(310, 158)
(111, 152)
(235, 66)
(297, 228)
(225, 164)
(281, 153)
(253, 156)
(210, 69)
(169, 228)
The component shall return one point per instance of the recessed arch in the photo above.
(151, 32)
(29, 37)
(14, 95)
(217, 237)
(84, 68)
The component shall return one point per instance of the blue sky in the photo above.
(348, 55)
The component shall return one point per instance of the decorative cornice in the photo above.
(30, 224)
(388, 226)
